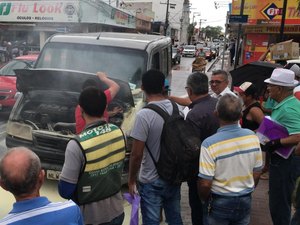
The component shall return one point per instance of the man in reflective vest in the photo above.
(94, 160)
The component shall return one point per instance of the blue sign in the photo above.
(238, 18)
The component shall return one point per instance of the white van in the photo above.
(43, 116)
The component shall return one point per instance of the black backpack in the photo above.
(180, 147)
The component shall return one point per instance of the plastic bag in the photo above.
(135, 202)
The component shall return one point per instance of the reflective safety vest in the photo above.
(103, 147)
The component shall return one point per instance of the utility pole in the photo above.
(237, 44)
(283, 20)
(167, 19)
(200, 22)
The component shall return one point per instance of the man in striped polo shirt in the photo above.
(22, 175)
(229, 167)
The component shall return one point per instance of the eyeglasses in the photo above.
(216, 81)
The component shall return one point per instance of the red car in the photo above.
(8, 79)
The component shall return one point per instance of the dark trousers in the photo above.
(195, 203)
(282, 177)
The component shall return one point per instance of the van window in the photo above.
(165, 61)
(155, 62)
(121, 63)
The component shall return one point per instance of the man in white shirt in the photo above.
(219, 83)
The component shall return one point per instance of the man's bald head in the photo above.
(19, 171)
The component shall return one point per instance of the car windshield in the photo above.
(9, 68)
(120, 63)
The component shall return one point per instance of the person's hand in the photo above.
(101, 75)
(132, 188)
(272, 145)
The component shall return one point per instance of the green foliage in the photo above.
(212, 32)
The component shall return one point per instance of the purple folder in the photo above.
(270, 130)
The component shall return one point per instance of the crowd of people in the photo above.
(230, 164)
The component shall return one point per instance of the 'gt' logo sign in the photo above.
(271, 10)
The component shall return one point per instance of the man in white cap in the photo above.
(282, 174)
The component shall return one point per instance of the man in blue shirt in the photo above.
(22, 175)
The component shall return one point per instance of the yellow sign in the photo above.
(267, 11)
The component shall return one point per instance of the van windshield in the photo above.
(120, 63)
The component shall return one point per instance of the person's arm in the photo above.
(257, 114)
(204, 188)
(135, 163)
(113, 87)
(273, 145)
(256, 176)
(72, 167)
(66, 189)
(184, 101)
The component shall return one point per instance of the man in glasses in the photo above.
(219, 83)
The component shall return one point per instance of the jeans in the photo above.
(282, 177)
(156, 195)
(223, 210)
(116, 221)
(195, 203)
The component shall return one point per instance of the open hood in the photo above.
(64, 80)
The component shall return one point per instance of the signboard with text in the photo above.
(39, 11)
(238, 18)
(267, 11)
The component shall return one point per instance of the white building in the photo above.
(178, 15)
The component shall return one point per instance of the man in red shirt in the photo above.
(110, 93)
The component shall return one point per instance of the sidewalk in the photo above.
(260, 214)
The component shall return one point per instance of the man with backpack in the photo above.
(155, 192)
(201, 116)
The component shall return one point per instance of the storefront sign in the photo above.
(271, 29)
(268, 11)
(39, 11)
(101, 12)
(238, 18)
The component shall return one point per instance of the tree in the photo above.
(212, 32)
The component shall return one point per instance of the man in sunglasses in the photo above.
(219, 83)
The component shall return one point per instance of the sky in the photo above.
(206, 8)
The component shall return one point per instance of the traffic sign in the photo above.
(238, 18)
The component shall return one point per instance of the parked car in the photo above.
(189, 50)
(8, 78)
(43, 117)
(176, 56)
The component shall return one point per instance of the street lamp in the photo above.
(195, 14)
(200, 22)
